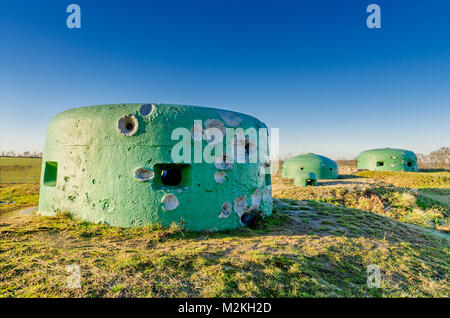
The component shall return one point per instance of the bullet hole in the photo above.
(146, 109)
(230, 118)
(224, 163)
(267, 195)
(410, 163)
(251, 218)
(219, 176)
(226, 210)
(209, 133)
(170, 202)
(247, 149)
(127, 125)
(256, 198)
(267, 179)
(301, 168)
(380, 163)
(171, 176)
(143, 174)
(240, 204)
(242, 145)
(331, 169)
(197, 132)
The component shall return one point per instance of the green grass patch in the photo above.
(20, 170)
(276, 260)
(426, 207)
(410, 179)
(18, 196)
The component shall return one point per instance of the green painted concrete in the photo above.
(305, 179)
(323, 167)
(387, 159)
(110, 164)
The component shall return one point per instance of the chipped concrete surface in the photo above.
(219, 176)
(97, 178)
(170, 202)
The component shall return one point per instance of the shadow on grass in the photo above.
(433, 170)
(349, 176)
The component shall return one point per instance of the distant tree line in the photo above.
(438, 159)
(25, 154)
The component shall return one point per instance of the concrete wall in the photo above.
(104, 164)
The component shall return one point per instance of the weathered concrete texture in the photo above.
(322, 167)
(113, 164)
(387, 159)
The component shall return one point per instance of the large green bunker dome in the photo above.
(387, 159)
(323, 167)
(113, 164)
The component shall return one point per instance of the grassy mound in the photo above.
(426, 207)
(307, 249)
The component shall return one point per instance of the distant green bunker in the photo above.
(113, 164)
(322, 167)
(388, 159)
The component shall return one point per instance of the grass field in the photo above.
(19, 183)
(20, 170)
(318, 243)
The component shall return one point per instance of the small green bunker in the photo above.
(322, 167)
(114, 164)
(388, 159)
(305, 179)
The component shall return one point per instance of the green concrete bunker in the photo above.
(388, 159)
(114, 164)
(308, 168)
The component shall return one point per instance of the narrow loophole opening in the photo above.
(171, 176)
(50, 173)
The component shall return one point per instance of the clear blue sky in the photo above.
(311, 68)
